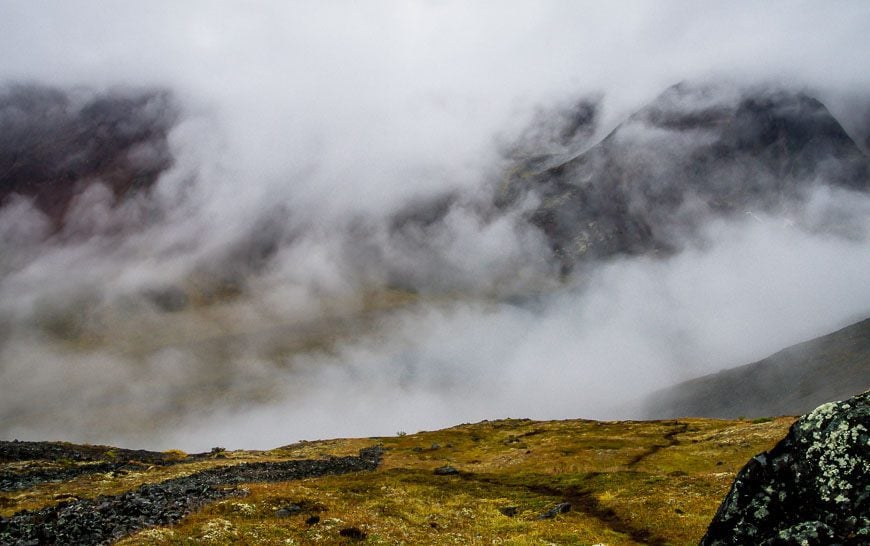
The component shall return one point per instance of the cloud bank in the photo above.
(267, 288)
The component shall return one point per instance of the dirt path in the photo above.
(670, 436)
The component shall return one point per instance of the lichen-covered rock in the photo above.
(812, 488)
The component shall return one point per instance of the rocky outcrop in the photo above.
(812, 488)
(59, 461)
(53, 451)
(107, 518)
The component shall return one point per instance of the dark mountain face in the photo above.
(692, 152)
(790, 382)
(556, 134)
(54, 144)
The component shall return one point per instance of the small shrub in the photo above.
(175, 454)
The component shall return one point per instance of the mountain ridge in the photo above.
(791, 381)
(694, 151)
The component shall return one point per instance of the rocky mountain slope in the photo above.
(56, 143)
(790, 382)
(695, 151)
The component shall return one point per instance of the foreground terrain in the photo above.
(517, 481)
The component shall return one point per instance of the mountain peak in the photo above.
(695, 150)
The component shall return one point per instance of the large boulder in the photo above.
(812, 488)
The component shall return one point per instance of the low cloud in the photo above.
(319, 254)
(245, 374)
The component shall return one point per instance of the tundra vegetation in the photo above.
(516, 481)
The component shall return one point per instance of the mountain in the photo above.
(790, 382)
(694, 151)
(55, 143)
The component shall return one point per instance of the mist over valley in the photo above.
(418, 215)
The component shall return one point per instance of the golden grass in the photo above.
(628, 483)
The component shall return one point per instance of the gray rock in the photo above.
(287, 511)
(446, 471)
(560, 508)
(812, 488)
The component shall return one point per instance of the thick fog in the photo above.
(319, 253)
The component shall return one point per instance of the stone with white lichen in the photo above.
(812, 488)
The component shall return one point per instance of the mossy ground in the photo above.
(656, 482)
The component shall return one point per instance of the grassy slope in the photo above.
(793, 381)
(628, 482)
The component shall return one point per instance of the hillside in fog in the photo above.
(218, 326)
(237, 226)
(794, 380)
